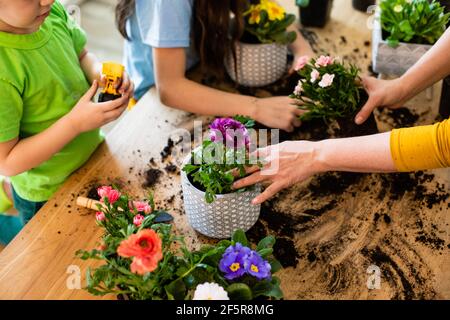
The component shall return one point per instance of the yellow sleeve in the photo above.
(420, 148)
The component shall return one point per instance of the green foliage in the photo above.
(339, 100)
(215, 166)
(413, 21)
(269, 28)
(178, 273)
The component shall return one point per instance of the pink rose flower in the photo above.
(314, 75)
(301, 63)
(324, 61)
(142, 206)
(138, 219)
(299, 88)
(327, 80)
(100, 216)
(107, 192)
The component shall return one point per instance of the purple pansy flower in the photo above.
(233, 261)
(230, 132)
(256, 266)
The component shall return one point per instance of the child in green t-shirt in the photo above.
(48, 124)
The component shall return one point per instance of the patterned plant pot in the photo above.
(257, 64)
(393, 61)
(226, 214)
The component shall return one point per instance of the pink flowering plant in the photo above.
(224, 152)
(328, 88)
(144, 260)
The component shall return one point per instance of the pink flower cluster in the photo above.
(109, 193)
(113, 195)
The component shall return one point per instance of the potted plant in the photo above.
(144, 260)
(260, 57)
(331, 90)
(213, 208)
(404, 30)
(314, 13)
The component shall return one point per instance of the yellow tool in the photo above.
(113, 74)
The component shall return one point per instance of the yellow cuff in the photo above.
(421, 148)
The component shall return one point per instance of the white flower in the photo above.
(398, 8)
(327, 80)
(299, 88)
(314, 75)
(210, 291)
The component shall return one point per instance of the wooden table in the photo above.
(331, 251)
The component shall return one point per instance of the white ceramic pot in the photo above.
(225, 215)
(393, 61)
(257, 64)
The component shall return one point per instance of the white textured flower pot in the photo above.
(225, 215)
(393, 61)
(257, 64)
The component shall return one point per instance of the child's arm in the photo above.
(17, 156)
(177, 91)
(92, 68)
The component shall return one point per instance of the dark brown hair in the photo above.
(211, 24)
(124, 10)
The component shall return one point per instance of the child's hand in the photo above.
(88, 115)
(124, 85)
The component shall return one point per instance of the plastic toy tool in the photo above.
(113, 73)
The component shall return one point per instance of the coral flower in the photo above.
(145, 247)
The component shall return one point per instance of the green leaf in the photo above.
(239, 291)
(176, 290)
(264, 253)
(267, 242)
(275, 266)
(239, 236)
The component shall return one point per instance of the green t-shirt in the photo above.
(40, 81)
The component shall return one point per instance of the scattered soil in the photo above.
(152, 177)
(167, 151)
(171, 168)
(285, 252)
(403, 117)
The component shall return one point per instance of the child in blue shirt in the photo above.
(162, 37)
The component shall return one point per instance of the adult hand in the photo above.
(285, 164)
(382, 93)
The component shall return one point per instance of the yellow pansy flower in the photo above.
(255, 14)
(274, 11)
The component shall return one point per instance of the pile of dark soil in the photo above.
(151, 177)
